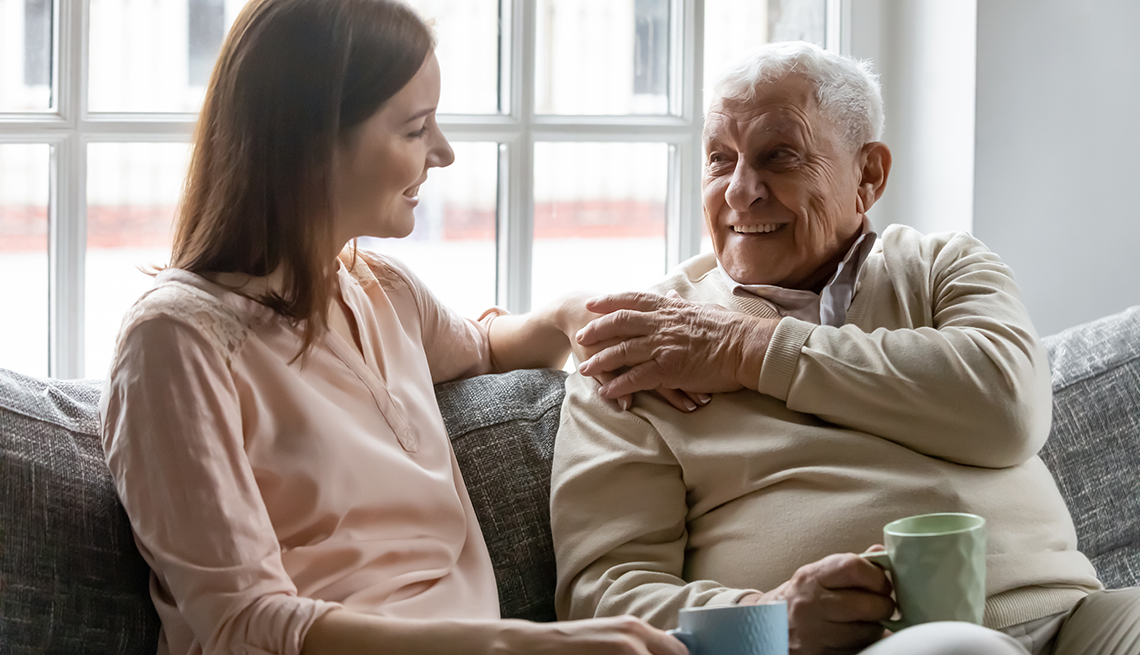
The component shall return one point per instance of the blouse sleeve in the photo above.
(456, 347)
(172, 436)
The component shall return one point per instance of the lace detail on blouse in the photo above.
(368, 269)
(220, 324)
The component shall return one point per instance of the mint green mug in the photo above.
(937, 564)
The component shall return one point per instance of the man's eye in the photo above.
(717, 158)
(781, 154)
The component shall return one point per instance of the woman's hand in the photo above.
(624, 635)
(346, 631)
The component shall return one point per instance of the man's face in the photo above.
(780, 187)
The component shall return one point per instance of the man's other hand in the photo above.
(834, 605)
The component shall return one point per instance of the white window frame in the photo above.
(71, 128)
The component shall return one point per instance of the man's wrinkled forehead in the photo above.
(787, 105)
(724, 121)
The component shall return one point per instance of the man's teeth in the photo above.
(753, 229)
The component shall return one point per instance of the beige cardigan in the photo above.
(934, 397)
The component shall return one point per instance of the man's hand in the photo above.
(571, 315)
(674, 344)
(834, 605)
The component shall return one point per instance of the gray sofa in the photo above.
(71, 580)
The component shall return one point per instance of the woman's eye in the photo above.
(418, 133)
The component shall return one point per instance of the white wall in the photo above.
(1058, 152)
(924, 53)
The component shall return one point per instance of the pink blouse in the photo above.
(265, 492)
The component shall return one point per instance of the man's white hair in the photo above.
(846, 89)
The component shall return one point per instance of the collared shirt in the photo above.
(829, 307)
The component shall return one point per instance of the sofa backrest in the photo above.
(1094, 445)
(71, 580)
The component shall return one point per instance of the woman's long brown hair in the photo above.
(293, 77)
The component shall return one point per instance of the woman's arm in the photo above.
(345, 631)
(540, 339)
(174, 446)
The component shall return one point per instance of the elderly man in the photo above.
(861, 380)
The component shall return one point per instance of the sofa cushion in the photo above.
(71, 579)
(1094, 447)
(502, 428)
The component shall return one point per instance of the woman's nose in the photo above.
(441, 154)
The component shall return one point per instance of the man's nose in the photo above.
(746, 187)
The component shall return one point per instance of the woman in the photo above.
(270, 420)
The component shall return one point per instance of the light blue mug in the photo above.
(735, 629)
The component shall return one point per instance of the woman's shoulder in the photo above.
(369, 267)
(191, 302)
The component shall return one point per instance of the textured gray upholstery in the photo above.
(1094, 446)
(71, 580)
(502, 428)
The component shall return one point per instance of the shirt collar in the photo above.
(829, 307)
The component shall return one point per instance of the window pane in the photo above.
(599, 217)
(467, 33)
(452, 247)
(155, 56)
(602, 57)
(24, 171)
(735, 27)
(132, 189)
(26, 52)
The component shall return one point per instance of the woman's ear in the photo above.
(875, 158)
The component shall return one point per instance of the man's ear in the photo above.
(875, 158)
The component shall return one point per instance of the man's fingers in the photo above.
(620, 324)
(847, 637)
(848, 571)
(642, 377)
(855, 606)
(626, 353)
(641, 301)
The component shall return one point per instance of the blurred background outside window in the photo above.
(595, 206)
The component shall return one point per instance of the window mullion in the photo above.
(837, 30)
(67, 192)
(684, 218)
(516, 226)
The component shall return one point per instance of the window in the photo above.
(576, 125)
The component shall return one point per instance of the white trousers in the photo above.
(1103, 623)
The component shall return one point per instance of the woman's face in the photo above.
(379, 167)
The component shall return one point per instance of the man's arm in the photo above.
(969, 383)
(966, 381)
(618, 516)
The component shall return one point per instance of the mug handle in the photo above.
(685, 638)
(882, 559)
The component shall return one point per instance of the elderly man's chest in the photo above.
(746, 444)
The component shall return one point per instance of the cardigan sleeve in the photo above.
(172, 436)
(965, 380)
(618, 517)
